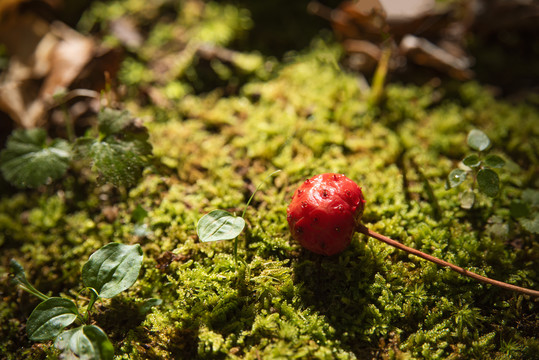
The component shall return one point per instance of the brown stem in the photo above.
(364, 230)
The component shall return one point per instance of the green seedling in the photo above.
(526, 210)
(477, 167)
(223, 225)
(117, 150)
(109, 271)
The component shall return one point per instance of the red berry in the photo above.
(324, 213)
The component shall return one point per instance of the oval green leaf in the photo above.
(19, 275)
(456, 177)
(87, 342)
(147, 305)
(112, 269)
(478, 140)
(27, 160)
(472, 161)
(50, 317)
(219, 225)
(488, 181)
(494, 161)
(467, 199)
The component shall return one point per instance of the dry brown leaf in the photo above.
(416, 29)
(72, 52)
(44, 58)
(425, 53)
(125, 30)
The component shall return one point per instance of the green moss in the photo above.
(304, 116)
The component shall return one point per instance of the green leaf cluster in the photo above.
(221, 225)
(109, 271)
(526, 210)
(118, 153)
(29, 160)
(478, 167)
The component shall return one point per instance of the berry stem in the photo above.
(364, 230)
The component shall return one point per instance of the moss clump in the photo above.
(304, 116)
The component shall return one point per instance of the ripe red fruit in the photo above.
(324, 213)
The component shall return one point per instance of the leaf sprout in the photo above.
(222, 225)
(109, 271)
(477, 166)
(118, 152)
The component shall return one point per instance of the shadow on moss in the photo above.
(337, 287)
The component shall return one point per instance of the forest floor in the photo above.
(230, 92)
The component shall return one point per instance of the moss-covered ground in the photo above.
(214, 141)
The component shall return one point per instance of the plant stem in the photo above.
(93, 298)
(257, 188)
(245, 210)
(364, 230)
(19, 277)
(377, 88)
(70, 128)
(32, 290)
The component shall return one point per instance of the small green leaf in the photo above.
(121, 152)
(531, 225)
(472, 161)
(488, 181)
(19, 277)
(219, 225)
(118, 162)
(113, 121)
(18, 272)
(88, 342)
(467, 199)
(456, 177)
(50, 317)
(494, 161)
(147, 305)
(478, 140)
(139, 214)
(112, 269)
(27, 160)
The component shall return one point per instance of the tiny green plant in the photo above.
(117, 150)
(223, 225)
(478, 167)
(526, 210)
(109, 271)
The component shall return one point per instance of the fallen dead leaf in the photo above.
(414, 30)
(51, 54)
(71, 53)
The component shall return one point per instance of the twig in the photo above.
(364, 230)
